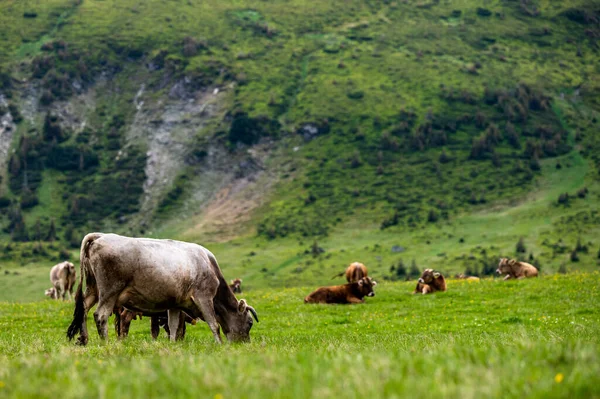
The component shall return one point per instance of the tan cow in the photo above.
(462, 276)
(354, 272)
(347, 293)
(62, 277)
(515, 269)
(430, 281)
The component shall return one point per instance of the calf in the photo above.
(123, 318)
(515, 269)
(430, 281)
(347, 293)
(236, 286)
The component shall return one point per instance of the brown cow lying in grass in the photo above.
(347, 293)
(123, 318)
(515, 269)
(430, 281)
(465, 277)
(354, 272)
(236, 286)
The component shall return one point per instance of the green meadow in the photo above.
(530, 338)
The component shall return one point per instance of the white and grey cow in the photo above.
(149, 276)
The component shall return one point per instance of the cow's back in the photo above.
(527, 270)
(164, 270)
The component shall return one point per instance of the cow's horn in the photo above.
(251, 309)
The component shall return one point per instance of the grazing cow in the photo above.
(347, 293)
(236, 286)
(354, 272)
(515, 269)
(62, 277)
(430, 281)
(150, 276)
(123, 318)
(465, 277)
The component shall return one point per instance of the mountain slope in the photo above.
(372, 122)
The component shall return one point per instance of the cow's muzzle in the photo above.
(371, 294)
(498, 271)
(421, 281)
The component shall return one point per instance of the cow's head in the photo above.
(366, 285)
(51, 292)
(505, 265)
(238, 324)
(428, 276)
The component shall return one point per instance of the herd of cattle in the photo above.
(174, 283)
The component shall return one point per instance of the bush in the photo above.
(414, 271)
(391, 221)
(563, 199)
(562, 269)
(433, 216)
(574, 256)
(521, 248)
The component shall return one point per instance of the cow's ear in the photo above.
(512, 262)
(360, 282)
(374, 283)
(436, 274)
(242, 306)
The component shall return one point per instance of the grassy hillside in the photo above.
(449, 129)
(490, 339)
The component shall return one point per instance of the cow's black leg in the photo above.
(91, 298)
(154, 327)
(208, 313)
(173, 316)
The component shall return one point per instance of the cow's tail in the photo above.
(79, 312)
(338, 275)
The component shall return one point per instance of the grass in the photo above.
(534, 338)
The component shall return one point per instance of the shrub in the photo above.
(581, 247)
(414, 271)
(433, 216)
(563, 199)
(583, 192)
(391, 221)
(562, 269)
(574, 256)
(521, 248)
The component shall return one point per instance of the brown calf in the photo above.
(430, 281)
(347, 293)
(236, 286)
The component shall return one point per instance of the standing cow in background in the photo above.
(430, 281)
(515, 269)
(62, 277)
(354, 272)
(150, 276)
(236, 286)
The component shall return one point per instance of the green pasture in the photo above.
(536, 338)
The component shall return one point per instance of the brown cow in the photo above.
(430, 281)
(347, 293)
(62, 277)
(354, 272)
(123, 318)
(515, 269)
(465, 277)
(236, 286)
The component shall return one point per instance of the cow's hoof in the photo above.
(82, 341)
